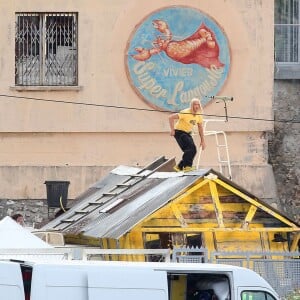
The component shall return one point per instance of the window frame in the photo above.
(287, 70)
(53, 40)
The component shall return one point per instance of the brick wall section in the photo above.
(284, 153)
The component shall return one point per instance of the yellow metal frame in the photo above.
(150, 225)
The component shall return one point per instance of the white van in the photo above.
(91, 280)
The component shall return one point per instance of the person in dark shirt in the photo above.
(18, 218)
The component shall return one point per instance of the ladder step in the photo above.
(67, 221)
(124, 184)
(95, 203)
(80, 212)
(138, 176)
(109, 194)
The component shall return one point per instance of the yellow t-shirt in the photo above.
(187, 120)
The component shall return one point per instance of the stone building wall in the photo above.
(35, 212)
(284, 153)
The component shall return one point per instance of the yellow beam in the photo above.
(218, 229)
(251, 212)
(81, 239)
(235, 207)
(216, 201)
(255, 203)
(166, 211)
(178, 215)
(125, 241)
(294, 245)
(202, 222)
(162, 223)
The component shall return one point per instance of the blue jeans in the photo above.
(187, 145)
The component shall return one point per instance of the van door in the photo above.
(59, 282)
(11, 282)
(127, 283)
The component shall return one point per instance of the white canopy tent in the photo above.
(13, 235)
(17, 242)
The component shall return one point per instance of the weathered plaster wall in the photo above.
(284, 145)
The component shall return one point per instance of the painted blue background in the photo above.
(182, 22)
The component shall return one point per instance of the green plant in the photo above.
(294, 295)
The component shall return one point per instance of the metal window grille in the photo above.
(46, 49)
(287, 31)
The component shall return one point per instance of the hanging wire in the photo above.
(141, 109)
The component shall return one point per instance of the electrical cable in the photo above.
(142, 109)
(61, 204)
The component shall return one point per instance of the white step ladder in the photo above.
(221, 144)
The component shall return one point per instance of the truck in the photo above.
(120, 280)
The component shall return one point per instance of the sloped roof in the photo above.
(118, 214)
(153, 193)
(127, 195)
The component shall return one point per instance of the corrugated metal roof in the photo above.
(115, 215)
(151, 199)
(92, 195)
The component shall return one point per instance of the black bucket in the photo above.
(57, 193)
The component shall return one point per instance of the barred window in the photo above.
(46, 49)
(287, 38)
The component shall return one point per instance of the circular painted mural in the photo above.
(175, 54)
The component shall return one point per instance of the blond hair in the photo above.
(196, 100)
